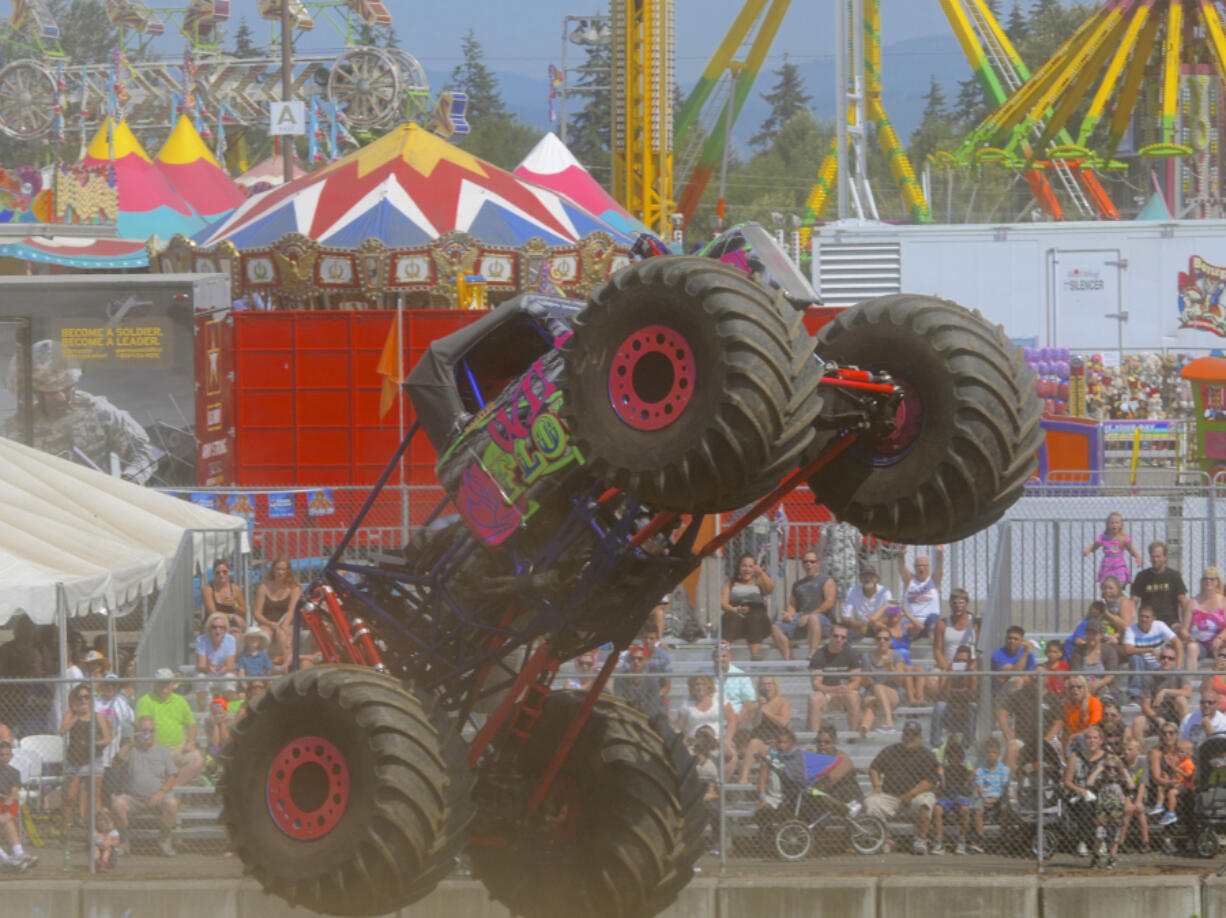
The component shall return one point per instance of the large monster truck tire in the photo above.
(968, 428)
(620, 830)
(345, 793)
(688, 385)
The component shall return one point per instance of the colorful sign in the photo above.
(241, 504)
(281, 506)
(1200, 294)
(320, 502)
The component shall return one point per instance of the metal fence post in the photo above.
(1040, 838)
(1212, 540)
(1055, 574)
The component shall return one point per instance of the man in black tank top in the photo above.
(807, 613)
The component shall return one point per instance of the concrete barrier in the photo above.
(798, 897)
(108, 897)
(977, 896)
(1213, 898)
(1116, 896)
(39, 898)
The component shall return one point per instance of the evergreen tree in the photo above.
(971, 106)
(786, 98)
(86, 35)
(374, 36)
(1043, 8)
(475, 79)
(589, 133)
(1017, 28)
(936, 130)
(244, 41)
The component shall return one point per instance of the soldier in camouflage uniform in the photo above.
(76, 425)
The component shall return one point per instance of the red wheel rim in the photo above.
(908, 422)
(308, 788)
(651, 379)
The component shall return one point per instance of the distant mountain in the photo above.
(906, 69)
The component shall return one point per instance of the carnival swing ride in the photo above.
(43, 94)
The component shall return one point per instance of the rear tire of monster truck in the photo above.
(619, 831)
(345, 793)
(968, 428)
(689, 386)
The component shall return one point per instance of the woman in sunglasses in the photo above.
(1172, 773)
(222, 595)
(1214, 683)
(1204, 618)
(81, 752)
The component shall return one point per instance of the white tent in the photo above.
(98, 539)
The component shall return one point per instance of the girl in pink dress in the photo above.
(1114, 543)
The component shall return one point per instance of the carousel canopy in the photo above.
(79, 251)
(193, 172)
(551, 164)
(148, 205)
(407, 189)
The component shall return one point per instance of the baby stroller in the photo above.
(1033, 798)
(1210, 804)
(806, 809)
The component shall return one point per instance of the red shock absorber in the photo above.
(323, 637)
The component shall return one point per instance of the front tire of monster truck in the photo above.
(967, 429)
(619, 831)
(345, 793)
(688, 385)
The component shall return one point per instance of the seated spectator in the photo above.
(863, 603)
(1172, 773)
(1204, 618)
(1101, 786)
(1166, 700)
(1053, 662)
(218, 729)
(961, 629)
(902, 632)
(1119, 615)
(807, 615)
(802, 770)
(881, 684)
(743, 601)
(175, 724)
(149, 784)
(769, 720)
(254, 662)
(706, 766)
(86, 734)
(216, 650)
(641, 689)
(904, 777)
(1081, 711)
(957, 707)
(583, 672)
(740, 697)
(1141, 641)
(700, 709)
(1201, 724)
(1137, 766)
(833, 684)
(1096, 661)
(251, 691)
(659, 663)
(94, 665)
(956, 788)
(222, 595)
(1214, 683)
(1014, 695)
(921, 600)
(1115, 733)
(10, 813)
(991, 793)
(106, 842)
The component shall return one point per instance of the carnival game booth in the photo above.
(398, 222)
(1208, 378)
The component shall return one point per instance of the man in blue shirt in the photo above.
(1015, 695)
(740, 697)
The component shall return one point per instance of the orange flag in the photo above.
(389, 367)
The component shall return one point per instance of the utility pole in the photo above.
(287, 87)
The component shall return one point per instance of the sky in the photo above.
(531, 39)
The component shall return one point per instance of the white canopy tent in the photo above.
(74, 540)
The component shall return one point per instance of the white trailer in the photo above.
(1128, 286)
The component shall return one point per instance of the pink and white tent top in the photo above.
(270, 170)
(551, 164)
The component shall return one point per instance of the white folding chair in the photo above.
(29, 765)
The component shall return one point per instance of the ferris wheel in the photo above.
(369, 88)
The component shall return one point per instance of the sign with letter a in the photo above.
(286, 118)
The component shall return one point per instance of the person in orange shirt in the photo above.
(1081, 710)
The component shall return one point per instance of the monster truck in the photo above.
(580, 446)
